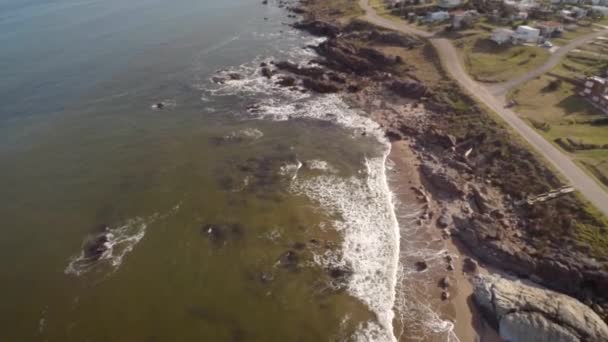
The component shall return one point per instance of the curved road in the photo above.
(556, 57)
(450, 60)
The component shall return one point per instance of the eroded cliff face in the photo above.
(524, 312)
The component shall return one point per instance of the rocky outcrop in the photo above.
(364, 30)
(409, 89)
(318, 28)
(442, 181)
(312, 72)
(523, 312)
(320, 86)
(343, 57)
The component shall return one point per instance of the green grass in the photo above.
(595, 236)
(567, 115)
(488, 62)
(568, 36)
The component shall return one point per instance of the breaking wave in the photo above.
(362, 205)
(117, 242)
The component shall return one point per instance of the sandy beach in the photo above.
(459, 308)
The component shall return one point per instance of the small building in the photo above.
(462, 18)
(595, 89)
(522, 15)
(438, 16)
(550, 29)
(449, 3)
(502, 35)
(578, 12)
(601, 10)
(527, 34)
(521, 5)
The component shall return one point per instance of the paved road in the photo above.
(556, 57)
(450, 60)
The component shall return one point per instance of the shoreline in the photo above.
(457, 153)
(467, 321)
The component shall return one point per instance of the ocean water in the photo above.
(239, 212)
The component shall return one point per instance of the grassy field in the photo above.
(343, 10)
(559, 112)
(488, 62)
(569, 35)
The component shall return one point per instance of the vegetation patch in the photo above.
(489, 62)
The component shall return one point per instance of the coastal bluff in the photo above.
(524, 312)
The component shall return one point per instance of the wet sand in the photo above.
(460, 307)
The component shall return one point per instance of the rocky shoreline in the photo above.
(472, 169)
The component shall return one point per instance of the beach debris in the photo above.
(450, 267)
(445, 295)
(158, 106)
(421, 266)
(468, 153)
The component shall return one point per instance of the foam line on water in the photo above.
(370, 238)
(121, 240)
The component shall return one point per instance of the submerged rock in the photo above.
(289, 260)
(524, 312)
(220, 234)
(96, 247)
(266, 72)
(341, 272)
(286, 81)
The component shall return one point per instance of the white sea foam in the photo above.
(320, 165)
(362, 204)
(120, 241)
(370, 238)
(291, 170)
(245, 134)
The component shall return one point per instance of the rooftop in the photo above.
(550, 24)
(598, 79)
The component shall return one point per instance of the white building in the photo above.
(527, 34)
(502, 35)
(521, 5)
(437, 16)
(603, 10)
(449, 3)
